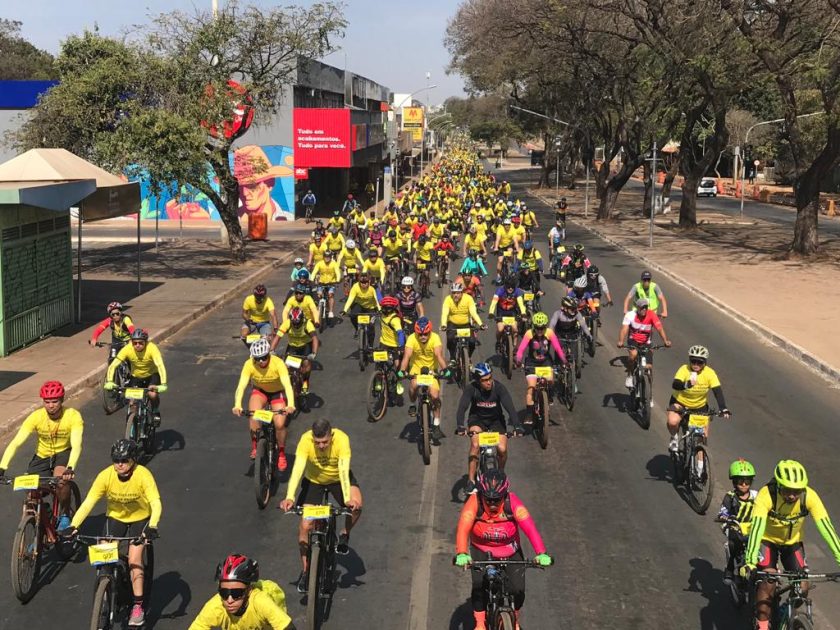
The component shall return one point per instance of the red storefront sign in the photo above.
(301, 173)
(321, 137)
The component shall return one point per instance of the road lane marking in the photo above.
(418, 606)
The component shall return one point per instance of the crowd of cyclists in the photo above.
(442, 228)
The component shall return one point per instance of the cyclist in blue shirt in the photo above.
(473, 265)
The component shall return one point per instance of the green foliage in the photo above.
(20, 60)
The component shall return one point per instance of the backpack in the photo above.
(273, 590)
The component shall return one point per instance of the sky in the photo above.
(392, 43)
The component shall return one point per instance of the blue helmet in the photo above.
(482, 370)
(303, 274)
(529, 244)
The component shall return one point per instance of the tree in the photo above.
(148, 107)
(19, 59)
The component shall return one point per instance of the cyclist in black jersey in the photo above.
(411, 302)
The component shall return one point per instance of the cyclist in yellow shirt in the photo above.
(776, 532)
(269, 379)
(436, 230)
(473, 241)
(334, 241)
(423, 251)
(337, 221)
(244, 601)
(375, 266)
(303, 343)
(327, 273)
(458, 311)
(362, 298)
(322, 464)
(424, 351)
(316, 251)
(133, 509)
(147, 369)
(529, 220)
(59, 430)
(258, 314)
(303, 301)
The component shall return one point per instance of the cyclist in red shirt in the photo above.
(639, 325)
(419, 229)
(444, 245)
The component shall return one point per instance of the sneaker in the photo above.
(156, 418)
(138, 617)
(63, 523)
(412, 410)
(437, 433)
(628, 382)
(343, 547)
(253, 450)
(303, 582)
(282, 463)
(673, 445)
(471, 488)
(330, 315)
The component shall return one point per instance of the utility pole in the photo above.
(652, 193)
(557, 189)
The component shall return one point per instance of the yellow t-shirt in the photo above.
(392, 248)
(423, 354)
(459, 314)
(351, 260)
(376, 270)
(390, 326)
(335, 243)
(317, 251)
(258, 312)
(695, 397)
(436, 231)
(263, 612)
(297, 336)
(506, 236)
(473, 241)
(128, 501)
(307, 304)
(785, 528)
(141, 365)
(54, 436)
(529, 219)
(366, 299)
(322, 467)
(520, 233)
(274, 377)
(327, 273)
(424, 252)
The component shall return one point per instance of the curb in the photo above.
(92, 378)
(825, 370)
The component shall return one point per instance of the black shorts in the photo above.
(792, 556)
(496, 425)
(313, 493)
(119, 529)
(299, 351)
(44, 465)
(678, 407)
(154, 379)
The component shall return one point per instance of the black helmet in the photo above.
(593, 270)
(238, 568)
(124, 449)
(140, 334)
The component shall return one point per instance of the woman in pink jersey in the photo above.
(489, 524)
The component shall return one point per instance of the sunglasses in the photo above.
(493, 501)
(697, 362)
(138, 343)
(121, 461)
(261, 359)
(232, 593)
(743, 480)
(364, 281)
(116, 314)
(486, 379)
(790, 491)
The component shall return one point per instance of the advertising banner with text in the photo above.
(412, 120)
(322, 137)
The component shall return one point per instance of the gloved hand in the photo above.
(110, 386)
(311, 356)
(725, 413)
(151, 533)
(518, 430)
(343, 314)
(746, 571)
(162, 388)
(460, 430)
(463, 560)
(400, 374)
(544, 560)
(447, 373)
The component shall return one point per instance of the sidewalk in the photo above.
(184, 281)
(736, 265)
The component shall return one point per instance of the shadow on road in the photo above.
(165, 589)
(719, 613)
(659, 468)
(462, 617)
(354, 567)
(170, 440)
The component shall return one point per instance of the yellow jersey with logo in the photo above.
(54, 436)
(258, 311)
(142, 365)
(128, 501)
(319, 466)
(272, 378)
(423, 354)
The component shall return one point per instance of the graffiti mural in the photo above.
(266, 184)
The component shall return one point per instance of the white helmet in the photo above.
(260, 348)
(456, 286)
(298, 260)
(350, 244)
(698, 352)
(580, 283)
(506, 222)
(408, 281)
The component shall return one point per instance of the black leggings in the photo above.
(515, 577)
(452, 340)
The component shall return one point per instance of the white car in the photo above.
(707, 187)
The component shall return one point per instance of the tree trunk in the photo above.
(805, 237)
(688, 206)
(601, 175)
(614, 186)
(693, 168)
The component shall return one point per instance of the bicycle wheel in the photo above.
(322, 315)
(148, 433)
(579, 356)
(26, 559)
(425, 428)
(801, 622)
(700, 485)
(440, 276)
(377, 396)
(313, 607)
(504, 620)
(509, 356)
(643, 401)
(570, 385)
(148, 574)
(262, 474)
(362, 346)
(463, 366)
(110, 399)
(66, 549)
(542, 420)
(131, 425)
(593, 342)
(102, 615)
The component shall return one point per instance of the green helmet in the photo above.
(791, 474)
(741, 468)
(540, 319)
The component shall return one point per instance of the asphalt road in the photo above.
(630, 553)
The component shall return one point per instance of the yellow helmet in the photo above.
(791, 474)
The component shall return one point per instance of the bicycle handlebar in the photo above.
(508, 433)
(95, 540)
(334, 510)
(47, 481)
(799, 576)
(248, 413)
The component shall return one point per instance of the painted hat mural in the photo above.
(251, 165)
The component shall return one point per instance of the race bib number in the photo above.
(380, 355)
(508, 253)
(421, 265)
(543, 371)
(463, 332)
(26, 482)
(698, 420)
(104, 553)
(364, 319)
(263, 415)
(134, 393)
(596, 303)
(293, 362)
(316, 512)
(426, 380)
(529, 297)
(508, 321)
(454, 234)
(488, 438)
(253, 337)
(441, 253)
(560, 250)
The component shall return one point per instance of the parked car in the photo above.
(707, 187)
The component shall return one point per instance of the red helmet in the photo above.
(52, 389)
(389, 301)
(350, 197)
(259, 290)
(423, 326)
(238, 568)
(114, 306)
(296, 316)
(516, 220)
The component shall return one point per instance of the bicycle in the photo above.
(488, 454)
(569, 372)
(323, 540)
(111, 400)
(140, 426)
(384, 386)
(506, 346)
(367, 332)
(500, 611)
(738, 586)
(796, 611)
(321, 292)
(308, 208)
(293, 363)
(265, 462)
(37, 531)
(532, 301)
(442, 267)
(422, 271)
(113, 595)
(640, 393)
(556, 262)
(461, 374)
(424, 411)
(691, 462)
(542, 402)
(593, 322)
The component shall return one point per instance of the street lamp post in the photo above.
(743, 168)
(396, 108)
(423, 138)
